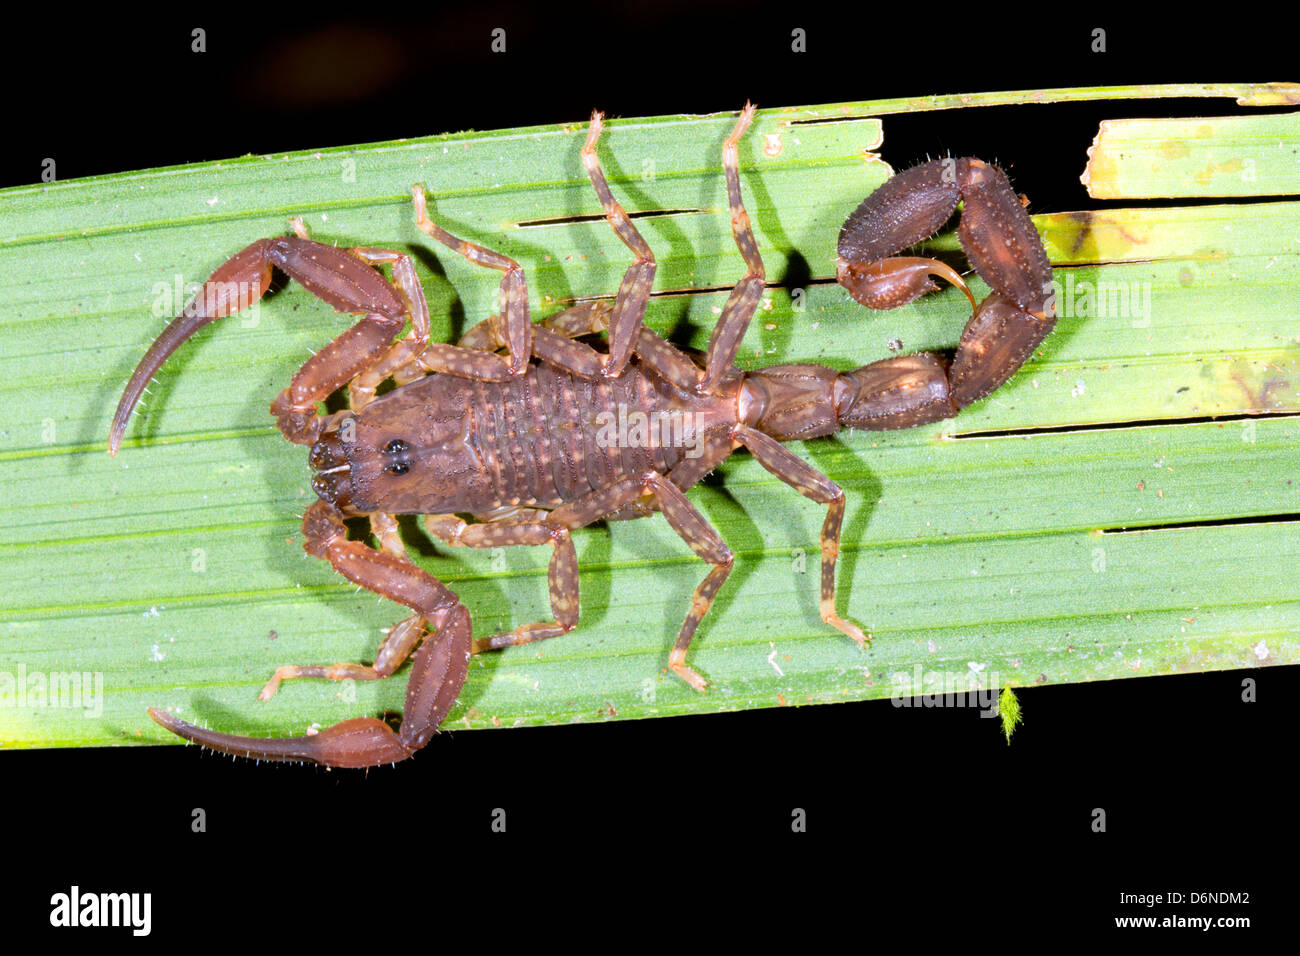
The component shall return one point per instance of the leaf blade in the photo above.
(168, 569)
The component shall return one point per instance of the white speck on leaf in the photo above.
(771, 659)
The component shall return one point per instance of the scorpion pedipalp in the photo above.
(437, 675)
(438, 671)
(333, 275)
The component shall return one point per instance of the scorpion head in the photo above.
(356, 465)
(410, 452)
(333, 479)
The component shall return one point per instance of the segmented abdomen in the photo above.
(548, 437)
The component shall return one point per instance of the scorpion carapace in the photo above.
(526, 442)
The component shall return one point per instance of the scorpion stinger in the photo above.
(996, 235)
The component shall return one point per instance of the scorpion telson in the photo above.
(999, 240)
(502, 426)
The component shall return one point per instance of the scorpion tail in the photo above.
(437, 674)
(1006, 250)
(921, 388)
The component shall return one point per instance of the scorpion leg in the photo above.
(624, 325)
(689, 524)
(397, 645)
(661, 355)
(634, 292)
(704, 540)
(437, 675)
(414, 356)
(623, 319)
(739, 310)
(554, 347)
(514, 289)
(553, 344)
(562, 575)
(361, 390)
(586, 318)
(810, 483)
(604, 503)
(628, 311)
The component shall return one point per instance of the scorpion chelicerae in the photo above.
(520, 441)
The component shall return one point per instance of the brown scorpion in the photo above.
(513, 439)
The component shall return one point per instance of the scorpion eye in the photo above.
(396, 447)
(398, 468)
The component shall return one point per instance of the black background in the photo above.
(919, 821)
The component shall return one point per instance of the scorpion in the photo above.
(502, 425)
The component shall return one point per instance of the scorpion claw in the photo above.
(335, 276)
(437, 674)
(360, 742)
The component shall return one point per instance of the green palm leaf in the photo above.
(1116, 510)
